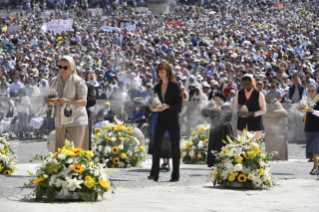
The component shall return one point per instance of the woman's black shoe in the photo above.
(161, 167)
(166, 167)
(173, 180)
(152, 178)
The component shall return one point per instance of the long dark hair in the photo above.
(169, 70)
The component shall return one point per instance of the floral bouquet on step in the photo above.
(8, 157)
(70, 173)
(241, 164)
(116, 147)
(194, 149)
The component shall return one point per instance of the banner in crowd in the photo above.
(4, 29)
(108, 29)
(58, 26)
(172, 23)
(125, 24)
(131, 28)
(13, 28)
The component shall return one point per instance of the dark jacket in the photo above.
(110, 115)
(90, 102)
(292, 91)
(173, 98)
(312, 121)
(253, 123)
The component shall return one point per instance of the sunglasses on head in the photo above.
(63, 67)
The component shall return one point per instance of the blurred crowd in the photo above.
(210, 46)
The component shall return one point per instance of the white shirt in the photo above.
(23, 107)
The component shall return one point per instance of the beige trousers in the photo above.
(78, 134)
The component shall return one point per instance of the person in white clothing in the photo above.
(23, 104)
(8, 116)
(37, 121)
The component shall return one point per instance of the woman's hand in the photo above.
(61, 101)
(310, 110)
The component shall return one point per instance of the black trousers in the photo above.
(90, 129)
(173, 128)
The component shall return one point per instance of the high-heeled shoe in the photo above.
(152, 178)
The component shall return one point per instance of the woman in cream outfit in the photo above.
(71, 120)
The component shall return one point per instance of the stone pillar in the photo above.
(51, 142)
(158, 6)
(276, 130)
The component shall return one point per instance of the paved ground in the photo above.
(192, 188)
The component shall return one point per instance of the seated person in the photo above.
(106, 113)
(37, 121)
(138, 116)
(9, 114)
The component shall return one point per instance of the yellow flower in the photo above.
(261, 171)
(77, 151)
(89, 182)
(57, 153)
(1, 167)
(7, 172)
(241, 178)
(77, 168)
(190, 143)
(108, 127)
(122, 127)
(3, 151)
(5, 143)
(256, 149)
(39, 180)
(89, 154)
(115, 150)
(116, 161)
(185, 147)
(262, 155)
(201, 129)
(53, 168)
(129, 136)
(108, 138)
(206, 142)
(193, 157)
(44, 167)
(194, 133)
(105, 184)
(129, 131)
(268, 180)
(183, 158)
(190, 148)
(239, 159)
(122, 138)
(13, 169)
(142, 148)
(232, 177)
(123, 156)
(97, 129)
(251, 154)
(138, 158)
(68, 152)
(99, 135)
(216, 176)
(246, 157)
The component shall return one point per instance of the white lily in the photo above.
(74, 184)
(64, 191)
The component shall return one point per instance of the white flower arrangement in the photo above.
(194, 149)
(8, 157)
(241, 161)
(117, 147)
(70, 173)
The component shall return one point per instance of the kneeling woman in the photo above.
(220, 126)
(312, 128)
